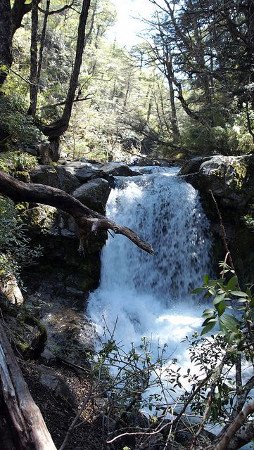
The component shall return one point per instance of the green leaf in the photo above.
(206, 279)
(208, 328)
(209, 312)
(27, 2)
(218, 299)
(229, 323)
(239, 294)
(221, 307)
(197, 290)
(209, 320)
(233, 283)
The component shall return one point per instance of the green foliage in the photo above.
(16, 127)
(232, 310)
(15, 251)
(16, 161)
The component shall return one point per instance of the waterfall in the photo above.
(143, 295)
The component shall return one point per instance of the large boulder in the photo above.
(193, 165)
(118, 169)
(94, 194)
(83, 171)
(58, 177)
(230, 178)
(47, 220)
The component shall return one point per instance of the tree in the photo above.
(5, 39)
(212, 54)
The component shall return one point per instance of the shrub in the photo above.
(15, 252)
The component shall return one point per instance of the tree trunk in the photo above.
(34, 59)
(170, 78)
(19, 9)
(21, 422)
(5, 39)
(55, 130)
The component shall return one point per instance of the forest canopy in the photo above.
(189, 81)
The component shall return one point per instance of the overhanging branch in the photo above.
(86, 218)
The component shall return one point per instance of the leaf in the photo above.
(221, 307)
(27, 2)
(208, 328)
(239, 294)
(197, 290)
(209, 320)
(206, 279)
(218, 299)
(229, 323)
(233, 283)
(209, 312)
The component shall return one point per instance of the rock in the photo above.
(58, 177)
(230, 178)
(193, 165)
(41, 218)
(118, 169)
(10, 289)
(94, 194)
(50, 380)
(87, 173)
(47, 356)
(144, 161)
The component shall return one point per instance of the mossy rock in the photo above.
(27, 334)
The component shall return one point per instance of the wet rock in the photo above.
(118, 169)
(58, 177)
(193, 165)
(60, 308)
(94, 194)
(230, 178)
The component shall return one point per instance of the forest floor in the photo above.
(59, 410)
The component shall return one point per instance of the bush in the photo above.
(16, 127)
(15, 252)
(13, 162)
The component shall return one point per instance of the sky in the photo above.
(128, 26)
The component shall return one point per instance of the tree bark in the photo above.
(19, 9)
(21, 422)
(34, 59)
(88, 221)
(5, 39)
(55, 130)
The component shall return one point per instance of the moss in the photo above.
(41, 218)
(240, 172)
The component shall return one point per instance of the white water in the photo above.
(151, 295)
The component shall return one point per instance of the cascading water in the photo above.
(151, 295)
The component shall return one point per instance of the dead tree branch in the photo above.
(87, 220)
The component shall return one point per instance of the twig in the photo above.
(22, 78)
(223, 231)
(138, 433)
(209, 402)
(72, 425)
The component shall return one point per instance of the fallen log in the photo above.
(21, 423)
(87, 220)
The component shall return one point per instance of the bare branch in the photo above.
(86, 219)
(240, 419)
